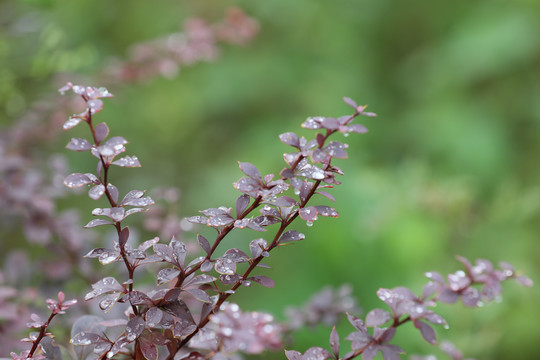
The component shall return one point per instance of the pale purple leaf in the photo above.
(77, 180)
(204, 243)
(97, 222)
(79, 144)
(377, 317)
(101, 130)
(250, 170)
(308, 213)
(128, 161)
(96, 192)
(166, 275)
(427, 331)
(241, 204)
(263, 280)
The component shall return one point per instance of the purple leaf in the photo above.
(236, 255)
(326, 211)
(290, 138)
(241, 204)
(79, 144)
(141, 202)
(257, 247)
(72, 122)
(225, 266)
(283, 201)
(204, 243)
(166, 275)
(85, 338)
(250, 170)
(308, 213)
(291, 235)
(179, 250)
(327, 195)
(153, 316)
(336, 150)
(77, 180)
(132, 195)
(165, 252)
(199, 294)
(263, 280)
(334, 342)
(134, 328)
(128, 161)
(149, 350)
(350, 102)
(96, 192)
(293, 355)
(199, 280)
(113, 191)
(357, 128)
(220, 220)
(97, 222)
(101, 130)
(524, 280)
(313, 122)
(427, 331)
(377, 317)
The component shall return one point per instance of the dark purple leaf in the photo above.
(77, 180)
(101, 130)
(128, 161)
(290, 138)
(149, 350)
(183, 328)
(79, 144)
(263, 280)
(179, 250)
(113, 191)
(248, 186)
(291, 235)
(199, 294)
(251, 171)
(123, 237)
(166, 275)
(241, 204)
(138, 298)
(204, 243)
(165, 252)
(134, 328)
(153, 316)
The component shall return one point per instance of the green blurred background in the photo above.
(450, 166)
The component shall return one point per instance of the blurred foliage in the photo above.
(449, 167)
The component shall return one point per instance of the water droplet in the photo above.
(309, 223)
(346, 134)
(227, 331)
(267, 208)
(110, 354)
(446, 326)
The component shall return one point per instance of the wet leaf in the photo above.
(166, 275)
(334, 342)
(97, 222)
(250, 170)
(377, 317)
(128, 161)
(96, 192)
(134, 328)
(77, 180)
(79, 144)
(225, 266)
(308, 213)
(290, 138)
(199, 294)
(291, 235)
